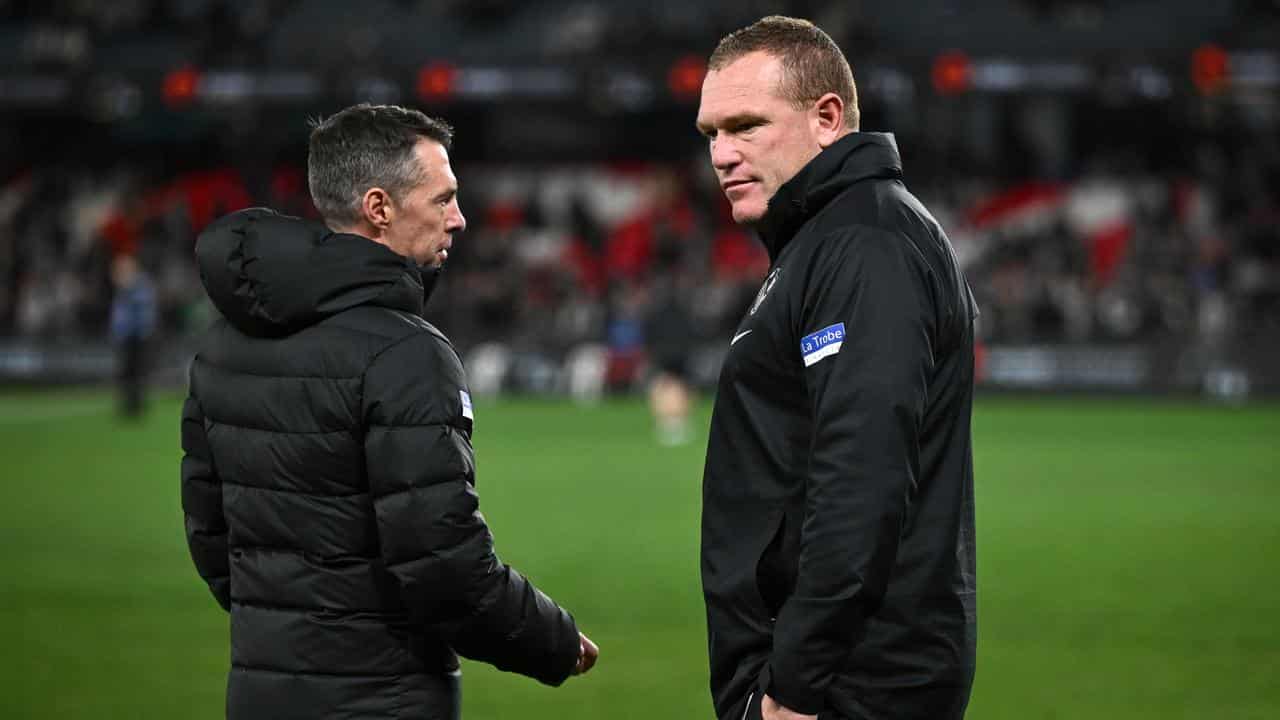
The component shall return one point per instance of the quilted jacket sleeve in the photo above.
(434, 540)
(206, 527)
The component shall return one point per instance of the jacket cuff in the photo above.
(566, 657)
(790, 694)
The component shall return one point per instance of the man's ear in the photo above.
(827, 119)
(376, 208)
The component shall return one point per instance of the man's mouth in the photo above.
(732, 185)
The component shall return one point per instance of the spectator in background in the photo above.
(133, 320)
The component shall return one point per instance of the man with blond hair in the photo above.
(838, 558)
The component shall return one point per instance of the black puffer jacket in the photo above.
(328, 485)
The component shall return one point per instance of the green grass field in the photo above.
(1129, 561)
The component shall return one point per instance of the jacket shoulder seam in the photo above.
(270, 376)
(402, 426)
(429, 331)
(278, 431)
(302, 493)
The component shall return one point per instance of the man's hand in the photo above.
(771, 710)
(587, 655)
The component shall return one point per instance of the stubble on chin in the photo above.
(749, 217)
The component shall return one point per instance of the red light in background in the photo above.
(180, 87)
(952, 73)
(685, 77)
(436, 81)
(1209, 65)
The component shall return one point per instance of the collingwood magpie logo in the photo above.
(769, 282)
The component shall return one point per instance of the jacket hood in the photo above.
(855, 157)
(271, 274)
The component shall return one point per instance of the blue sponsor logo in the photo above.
(821, 344)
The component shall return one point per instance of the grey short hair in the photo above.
(366, 146)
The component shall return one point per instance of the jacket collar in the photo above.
(855, 157)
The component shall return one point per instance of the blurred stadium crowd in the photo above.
(560, 256)
(1080, 219)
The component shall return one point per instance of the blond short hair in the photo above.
(812, 63)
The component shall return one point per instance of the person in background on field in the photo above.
(133, 320)
(669, 337)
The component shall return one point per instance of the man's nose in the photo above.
(457, 222)
(724, 155)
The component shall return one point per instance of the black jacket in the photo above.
(328, 485)
(837, 525)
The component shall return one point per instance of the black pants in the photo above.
(752, 710)
(131, 378)
(943, 703)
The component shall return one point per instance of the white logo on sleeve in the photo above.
(467, 412)
(824, 343)
(738, 337)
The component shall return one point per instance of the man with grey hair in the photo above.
(837, 525)
(328, 479)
